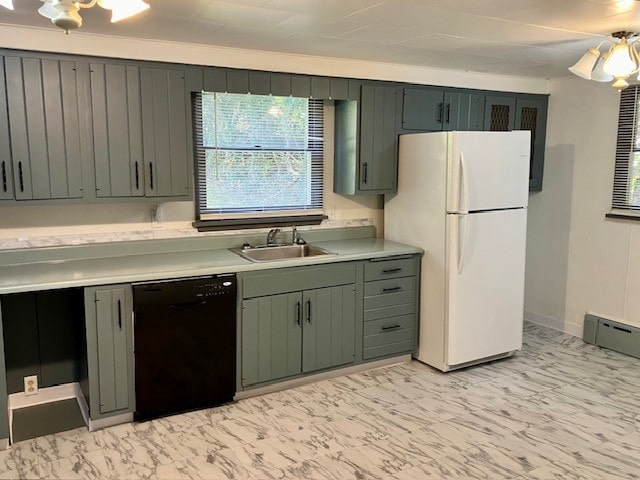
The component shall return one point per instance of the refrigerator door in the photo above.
(485, 284)
(487, 171)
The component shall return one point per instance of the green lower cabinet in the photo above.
(110, 350)
(328, 334)
(300, 332)
(271, 338)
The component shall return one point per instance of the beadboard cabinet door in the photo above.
(42, 98)
(164, 132)
(328, 333)
(6, 176)
(109, 329)
(378, 165)
(271, 338)
(117, 130)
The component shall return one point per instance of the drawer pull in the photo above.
(298, 313)
(308, 311)
(392, 270)
(392, 327)
(391, 289)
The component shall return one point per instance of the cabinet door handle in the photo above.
(391, 289)
(448, 113)
(298, 313)
(151, 175)
(365, 169)
(392, 270)
(308, 311)
(4, 176)
(119, 314)
(20, 177)
(137, 176)
(392, 327)
(440, 112)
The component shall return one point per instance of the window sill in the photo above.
(257, 222)
(623, 216)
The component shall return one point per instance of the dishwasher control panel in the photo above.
(216, 286)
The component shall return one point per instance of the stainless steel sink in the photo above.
(280, 252)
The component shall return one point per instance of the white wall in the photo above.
(577, 260)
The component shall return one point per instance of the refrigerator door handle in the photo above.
(464, 186)
(463, 238)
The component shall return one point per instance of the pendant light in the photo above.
(619, 62)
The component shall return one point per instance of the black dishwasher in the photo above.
(185, 344)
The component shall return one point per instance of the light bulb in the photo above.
(620, 62)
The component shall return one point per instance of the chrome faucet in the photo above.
(294, 235)
(271, 236)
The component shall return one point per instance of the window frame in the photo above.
(626, 146)
(240, 220)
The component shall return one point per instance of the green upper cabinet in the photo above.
(521, 112)
(140, 134)
(531, 114)
(6, 177)
(164, 132)
(499, 113)
(117, 130)
(366, 142)
(42, 102)
(431, 109)
(423, 109)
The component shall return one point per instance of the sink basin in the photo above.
(280, 252)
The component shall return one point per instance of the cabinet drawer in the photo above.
(389, 336)
(389, 299)
(392, 311)
(405, 346)
(384, 327)
(400, 267)
(392, 285)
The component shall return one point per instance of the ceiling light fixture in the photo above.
(66, 13)
(7, 4)
(619, 62)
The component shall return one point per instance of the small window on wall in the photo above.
(626, 184)
(258, 160)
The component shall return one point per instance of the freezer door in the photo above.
(487, 171)
(485, 284)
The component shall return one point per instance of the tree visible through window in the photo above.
(626, 186)
(258, 154)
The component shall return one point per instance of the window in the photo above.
(258, 157)
(626, 185)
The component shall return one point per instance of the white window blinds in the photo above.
(258, 154)
(626, 184)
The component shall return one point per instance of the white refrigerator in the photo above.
(462, 197)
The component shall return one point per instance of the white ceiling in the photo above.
(533, 38)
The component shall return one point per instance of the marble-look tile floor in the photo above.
(559, 409)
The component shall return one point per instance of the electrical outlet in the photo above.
(31, 385)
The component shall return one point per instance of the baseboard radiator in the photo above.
(613, 335)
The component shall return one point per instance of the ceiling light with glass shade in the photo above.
(66, 13)
(620, 60)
